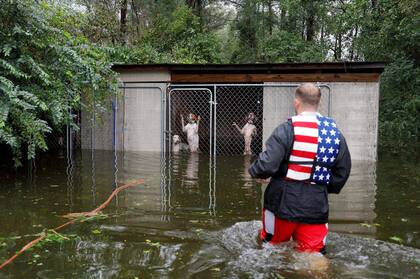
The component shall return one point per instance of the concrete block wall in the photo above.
(354, 106)
(356, 202)
(143, 118)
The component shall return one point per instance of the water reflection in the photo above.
(194, 217)
(191, 170)
(93, 186)
(186, 176)
(69, 175)
(246, 177)
(212, 186)
(352, 211)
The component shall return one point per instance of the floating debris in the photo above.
(96, 231)
(397, 239)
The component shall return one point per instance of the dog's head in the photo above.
(250, 118)
(176, 139)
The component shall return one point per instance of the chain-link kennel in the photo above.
(184, 102)
(230, 107)
(261, 104)
(236, 106)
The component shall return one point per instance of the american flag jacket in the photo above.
(316, 144)
(307, 158)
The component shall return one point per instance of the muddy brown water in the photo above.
(197, 218)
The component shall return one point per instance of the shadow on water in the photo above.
(197, 218)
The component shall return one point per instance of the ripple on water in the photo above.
(236, 252)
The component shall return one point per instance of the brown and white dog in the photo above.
(249, 130)
(178, 145)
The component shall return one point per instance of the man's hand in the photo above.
(263, 181)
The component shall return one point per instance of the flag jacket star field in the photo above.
(306, 157)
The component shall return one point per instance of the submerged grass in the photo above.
(53, 237)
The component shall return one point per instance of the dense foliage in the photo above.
(53, 52)
(44, 69)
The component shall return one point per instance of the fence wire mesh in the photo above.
(236, 106)
(266, 105)
(191, 101)
(67, 136)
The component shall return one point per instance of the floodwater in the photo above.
(199, 219)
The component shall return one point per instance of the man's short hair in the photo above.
(309, 94)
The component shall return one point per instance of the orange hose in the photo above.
(96, 210)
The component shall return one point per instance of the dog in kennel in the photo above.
(248, 131)
(178, 145)
(191, 129)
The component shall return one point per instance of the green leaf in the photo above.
(397, 239)
(366, 225)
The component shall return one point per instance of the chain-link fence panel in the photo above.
(245, 114)
(239, 119)
(67, 136)
(182, 104)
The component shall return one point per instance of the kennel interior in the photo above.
(197, 101)
(219, 107)
(234, 103)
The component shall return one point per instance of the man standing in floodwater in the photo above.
(306, 158)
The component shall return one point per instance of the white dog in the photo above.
(177, 145)
(191, 129)
(249, 131)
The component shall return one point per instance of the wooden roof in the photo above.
(286, 72)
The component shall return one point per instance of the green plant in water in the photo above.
(96, 231)
(53, 237)
(96, 217)
(397, 239)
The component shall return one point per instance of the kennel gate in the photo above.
(219, 105)
(182, 102)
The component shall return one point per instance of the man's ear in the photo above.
(296, 103)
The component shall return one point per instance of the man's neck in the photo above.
(308, 112)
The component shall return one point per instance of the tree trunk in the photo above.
(339, 47)
(197, 7)
(310, 27)
(136, 14)
(123, 22)
(302, 33)
(270, 17)
(354, 36)
(310, 13)
(374, 4)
